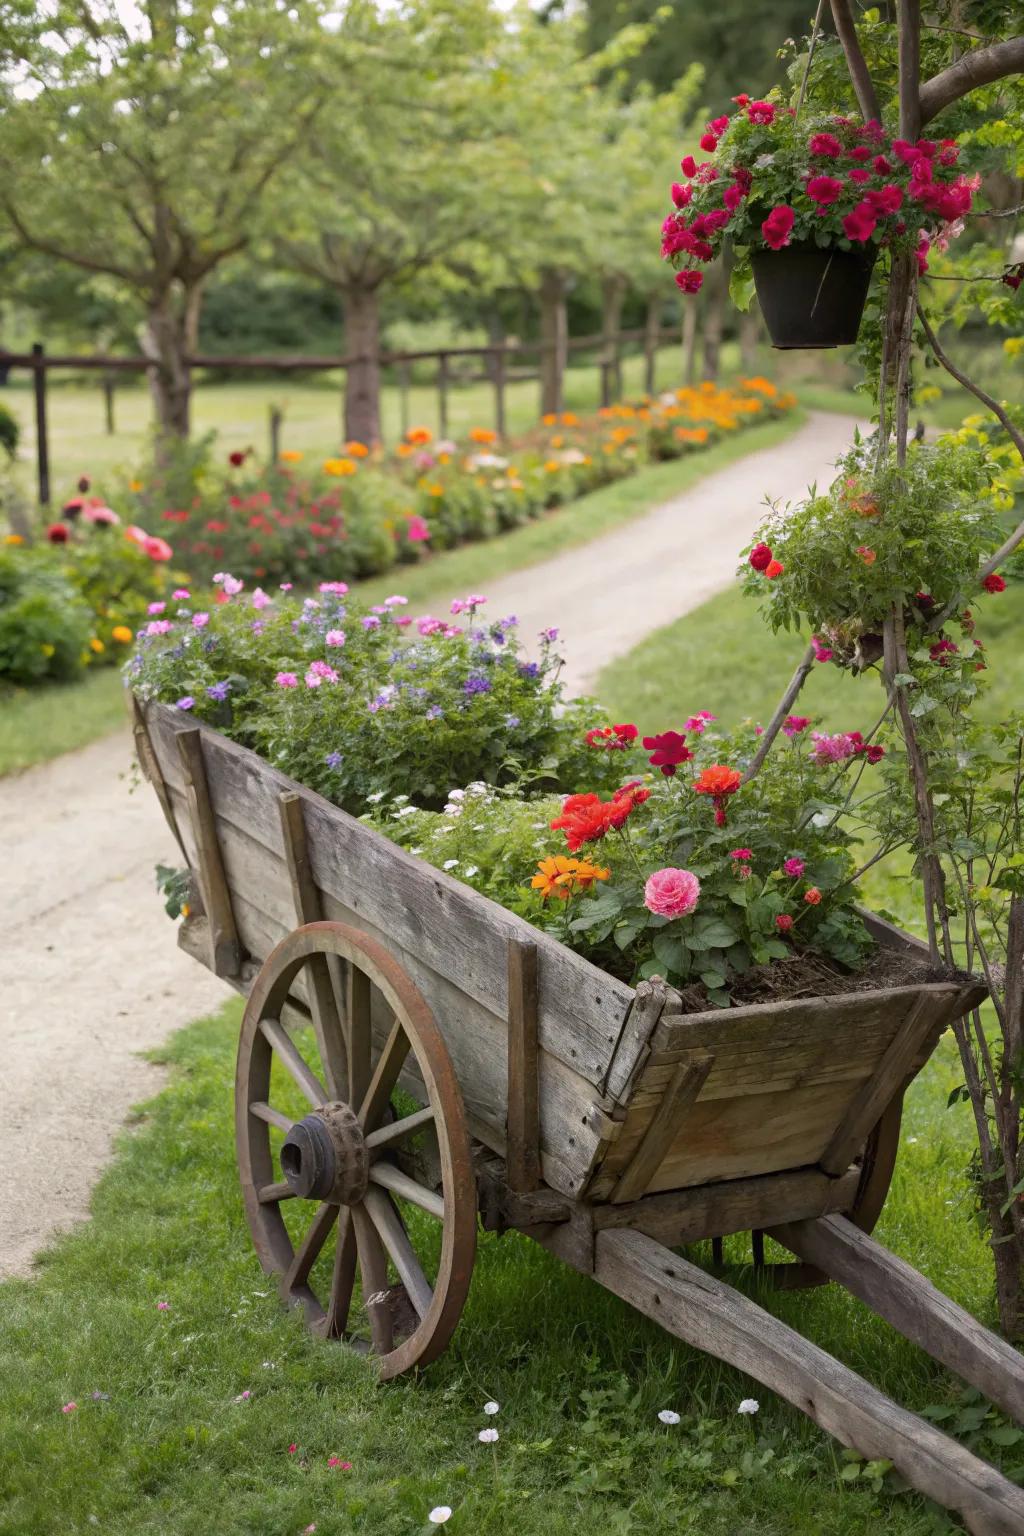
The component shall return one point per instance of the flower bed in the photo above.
(645, 853)
(362, 512)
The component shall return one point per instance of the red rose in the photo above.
(825, 144)
(667, 751)
(681, 195)
(994, 583)
(760, 557)
(237, 458)
(778, 226)
(689, 281)
(888, 199)
(860, 224)
(761, 112)
(824, 190)
(741, 100)
(708, 142)
(689, 166)
(812, 896)
(908, 153)
(718, 125)
(859, 175)
(860, 152)
(58, 533)
(882, 166)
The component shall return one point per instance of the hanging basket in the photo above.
(812, 296)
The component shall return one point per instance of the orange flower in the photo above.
(812, 896)
(549, 420)
(561, 877)
(122, 634)
(552, 467)
(483, 435)
(13, 538)
(569, 419)
(419, 436)
(773, 569)
(355, 450)
(719, 782)
(96, 644)
(867, 555)
(339, 467)
(135, 485)
(291, 456)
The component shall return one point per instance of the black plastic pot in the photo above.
(812, 296)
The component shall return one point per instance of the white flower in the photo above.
(456, 794)
(911, 1141)
(668, 1416)
(759, 164)
(748, 1405)
(450, 864)
(492, 1408)
(470, 871)
(488, 1436)
(406, 810)
(439, 1515)
(270, 1365)
(376, 797)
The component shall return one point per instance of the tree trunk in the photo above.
(652, 328)
(554, 333)
(362, 385)
(613, 292)
(690, 341)
(169, 322)
(750, 331)
(714, 317)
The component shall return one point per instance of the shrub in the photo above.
(44, 626)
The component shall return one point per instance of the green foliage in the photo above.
(44, 625)
(330, 694)
(117, 580)
(882, 534)
(10, 432)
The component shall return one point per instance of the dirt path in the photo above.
(89, 972)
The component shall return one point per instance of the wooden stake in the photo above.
(224, 946)
(523, 1125)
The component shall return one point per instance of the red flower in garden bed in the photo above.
(667, 751)
(719, 782)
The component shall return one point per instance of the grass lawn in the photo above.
(160, 1444)
(39, 724)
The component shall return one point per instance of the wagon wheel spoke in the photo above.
(390, 1177)
(308, 1251)
(394, 1131)
(396, 1240)
(343, 1278)
(293, 1063)
(359, 1033)
(385, 1076)
(373, 1268)
(343, 1161)
(271, 1115)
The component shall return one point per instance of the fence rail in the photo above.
(494, 357)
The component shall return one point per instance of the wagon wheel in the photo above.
(336, 1162)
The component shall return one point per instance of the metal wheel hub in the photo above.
(324, 1156)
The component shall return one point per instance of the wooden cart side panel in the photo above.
(783, 1083)
(572, 1122)
(453, 929)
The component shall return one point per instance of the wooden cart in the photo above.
(553, 1099)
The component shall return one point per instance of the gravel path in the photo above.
(89, 971)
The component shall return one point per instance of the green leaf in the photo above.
(713, 980)
(741, 286)
(1006, 1434)
(850, 1472)
(923, 704)
(672, 953)
(712, 933)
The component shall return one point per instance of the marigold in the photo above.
(122, 634)
(561, 877)
(96, 644)
(357, 450)
(291, 456)
(339, 467)
(482, 435)
(14, 538)
(419, 436)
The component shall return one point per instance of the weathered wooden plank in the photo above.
(905, 1298)
(149, 763)
(739, 1205)
(631, 1047)
(662, 1129)
(699, 1309)
(522, 1137)
(327, 1019)
(225, 949)
(457, 932)
(866, 1107)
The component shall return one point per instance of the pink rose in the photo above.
(671, 892)
(777, 227)
(794, 868)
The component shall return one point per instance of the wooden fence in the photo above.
(497, 364)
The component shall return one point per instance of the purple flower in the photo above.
(384, 699)
(476, 684)
(334, 637)
(219, 691)
(286, 680)
(333, 759)
(257, 626)
(370, 621)
(435, 712)
(549, 636)
(508, 622)
(511, 721)
(185, 703)
(529, 669)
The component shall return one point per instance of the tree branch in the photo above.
(856, 63)
(785, 704)
(910, 68)
(981, 66)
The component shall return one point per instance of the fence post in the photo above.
(607, 370)
(275, 433)
(499, 391)
(442, 392)
(108, 403)
(42, 440)
(404, 369)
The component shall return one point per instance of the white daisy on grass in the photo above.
(492, 1407)
(749, 1405)
(668, 1416)
(488, 1436)
(439, 1515)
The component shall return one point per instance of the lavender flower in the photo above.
(333, 759)
(219, 691)
(476, 684)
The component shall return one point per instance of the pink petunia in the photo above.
(286, 680)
